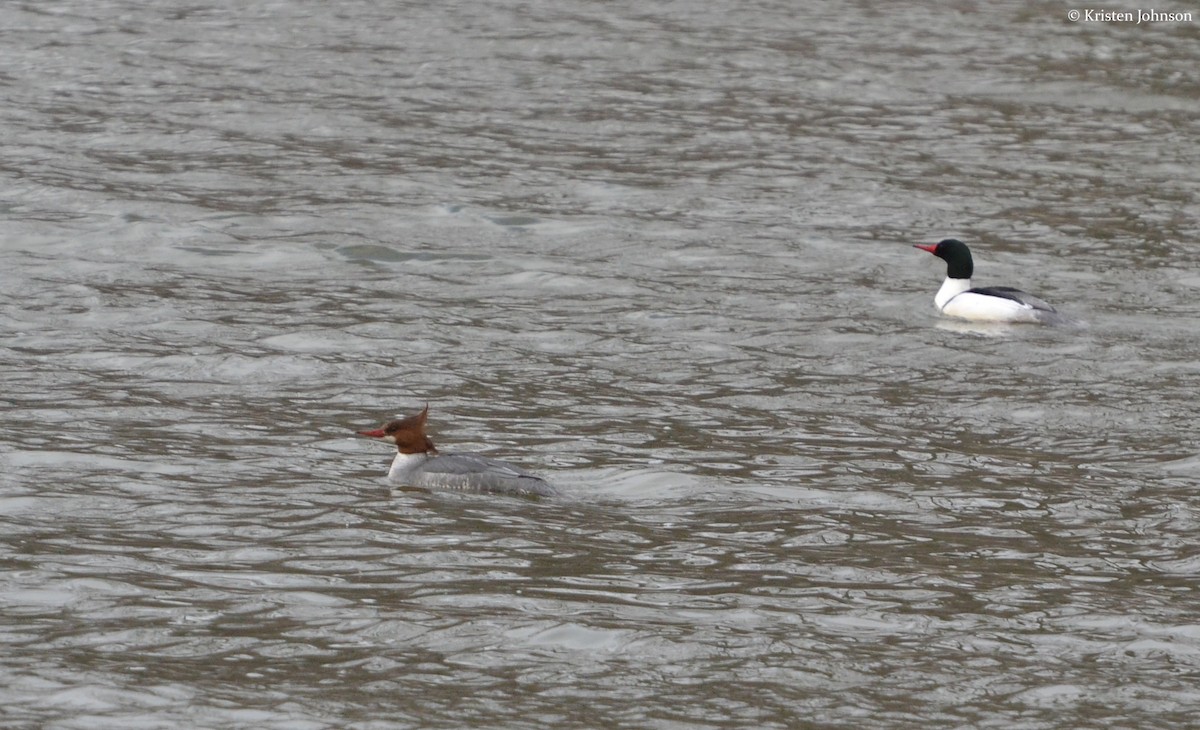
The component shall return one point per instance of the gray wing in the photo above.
(1041, 310)
(471, 472)
(1007, 292)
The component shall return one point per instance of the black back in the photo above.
(1008, 292)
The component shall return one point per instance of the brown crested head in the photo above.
(407, 433)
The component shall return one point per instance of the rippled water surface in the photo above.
(660, 254)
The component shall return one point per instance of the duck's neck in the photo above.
(950, 289)
(405, 464)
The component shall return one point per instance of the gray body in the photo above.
(467, 473)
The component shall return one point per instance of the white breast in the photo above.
(985, 308)
(404, 465)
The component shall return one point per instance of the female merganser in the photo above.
(418, 464)
(956, 298)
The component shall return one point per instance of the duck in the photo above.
(418, 463)
(957, 298)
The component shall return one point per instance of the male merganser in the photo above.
(956, 298)
(418, 464)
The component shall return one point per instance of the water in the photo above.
(660, 254)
